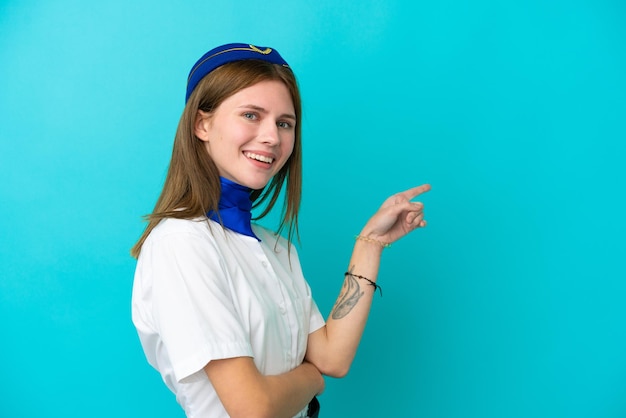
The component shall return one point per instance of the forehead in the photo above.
(268, 91)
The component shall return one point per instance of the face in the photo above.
(251, 134)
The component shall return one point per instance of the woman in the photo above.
(221, 306)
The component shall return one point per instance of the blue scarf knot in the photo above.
(234, 208)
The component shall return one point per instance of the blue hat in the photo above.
(229, 53)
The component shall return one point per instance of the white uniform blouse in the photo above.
(202, 293)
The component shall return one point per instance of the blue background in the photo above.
(511, 303)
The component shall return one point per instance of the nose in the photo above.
(269, 133)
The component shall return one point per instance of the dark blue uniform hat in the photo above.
(229, 53)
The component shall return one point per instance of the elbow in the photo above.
(331, 362)
(337, 374)
(337, 370)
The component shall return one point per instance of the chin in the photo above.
(255, 184)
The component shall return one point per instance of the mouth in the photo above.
(261, 158)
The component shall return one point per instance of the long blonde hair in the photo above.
(192, 186)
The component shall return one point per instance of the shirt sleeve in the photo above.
(193, 309)
(317, 320)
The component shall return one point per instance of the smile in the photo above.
(262, 158)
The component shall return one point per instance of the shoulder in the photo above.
(200, 227)
(178, 235)
(183, 247)
(170, 226)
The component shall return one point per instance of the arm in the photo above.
(333, 347)
(245, 392)
(191, 303)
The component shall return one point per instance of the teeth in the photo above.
(258, 157)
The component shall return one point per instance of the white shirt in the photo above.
(202, 293)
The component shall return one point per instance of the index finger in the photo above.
(415, 191)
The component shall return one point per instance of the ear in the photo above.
(202, 124)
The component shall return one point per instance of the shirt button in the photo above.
(264, 264)
(282, 310)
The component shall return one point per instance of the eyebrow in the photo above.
(263, 110)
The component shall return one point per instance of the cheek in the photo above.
(239, 135)
(238, 130)
(289, 145)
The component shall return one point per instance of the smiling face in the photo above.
(251, 134)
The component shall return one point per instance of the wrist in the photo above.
(372, 240)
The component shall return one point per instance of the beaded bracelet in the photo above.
(373, 241)
(371, 283)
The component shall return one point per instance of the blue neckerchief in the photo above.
(234, 208)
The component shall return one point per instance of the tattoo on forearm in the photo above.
(348, 298)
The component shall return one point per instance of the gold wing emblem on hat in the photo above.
(265, 51)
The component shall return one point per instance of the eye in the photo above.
(284, 125)
(250, 116)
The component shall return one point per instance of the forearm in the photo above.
(346, 322)
(332, 348)
(245, 392)
(292, 391)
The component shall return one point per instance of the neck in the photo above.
(234, 208)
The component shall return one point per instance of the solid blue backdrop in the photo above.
(509, 304)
